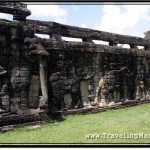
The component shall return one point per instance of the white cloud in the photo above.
(137, 33)
(83, 26)
(45, 12)
(117, 19)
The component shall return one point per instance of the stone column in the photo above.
(20, 76)
(97, 70)
(67, 100)
(34, 91)
(84, 85)
(20, 73)
(84, 91)
(19, 16)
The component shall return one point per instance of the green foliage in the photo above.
(72, 129)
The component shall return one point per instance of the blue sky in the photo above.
(122, 19)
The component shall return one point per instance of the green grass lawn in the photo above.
(72, 129)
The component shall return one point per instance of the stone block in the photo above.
(24, 68)
(35, 78)
(67, 100)
(84, 89)
(18, 80)
(85, 99)
(15, 73)
(5, 97)
(7, 128)
(24, 73)
(34, 87)
(96, 79)
(15, 80)
(5, 102)
(25, 80)
(3, 93)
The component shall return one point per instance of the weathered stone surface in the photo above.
(33, 93)
(24, 73)
(67, 100)
(25, 79)
(10, 8)
(84, 90)
(24, 68)
(27, 124)
(5, 96)
(75, 69)
(5, 102)
(7, 128)
(34, 100)
(76, 32)
(15, 73)
(99, 48)
(3, 93)
(35, 83)
(96, 109)
(15, 80)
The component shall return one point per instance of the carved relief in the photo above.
(81, 74)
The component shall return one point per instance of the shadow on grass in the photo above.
(56, 117)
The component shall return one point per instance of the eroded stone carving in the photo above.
(81, 74)
(109, 85)
(14, 107)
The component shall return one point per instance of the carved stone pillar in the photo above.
(20, 74)
(19, 16)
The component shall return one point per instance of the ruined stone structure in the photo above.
(40, 75)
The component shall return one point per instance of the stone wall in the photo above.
(58, 75)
